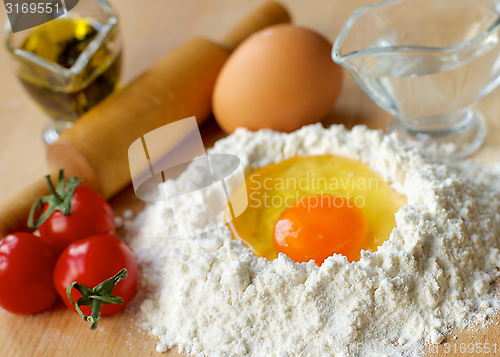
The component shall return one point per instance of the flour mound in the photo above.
(210, 295)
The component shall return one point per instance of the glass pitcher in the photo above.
(427, 62)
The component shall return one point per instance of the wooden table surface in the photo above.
(151, 29)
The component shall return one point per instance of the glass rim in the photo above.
(337, 57)
(82, 59)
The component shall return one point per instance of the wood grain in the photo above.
(149, 33)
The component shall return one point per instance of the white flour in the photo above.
(210, 295)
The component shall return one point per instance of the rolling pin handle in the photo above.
(271, 13)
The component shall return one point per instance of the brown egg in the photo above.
(280, 78)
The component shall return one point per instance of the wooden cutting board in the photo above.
(61, 332)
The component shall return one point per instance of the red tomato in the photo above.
(91, 261)
(26, 269)
(90, 215)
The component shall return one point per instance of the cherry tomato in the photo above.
(26, 269)
(90, 215)
(90, 262)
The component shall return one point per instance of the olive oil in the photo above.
(84, 83)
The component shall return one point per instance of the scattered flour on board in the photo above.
(210, 295)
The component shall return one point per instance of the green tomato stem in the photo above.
(58, 200)
(97, 297)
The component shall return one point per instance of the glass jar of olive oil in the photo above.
(69, 64)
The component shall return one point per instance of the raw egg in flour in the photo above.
(317, 227)
(315, 206)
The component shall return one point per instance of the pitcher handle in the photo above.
(494, 80)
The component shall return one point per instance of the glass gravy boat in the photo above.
(427, 62)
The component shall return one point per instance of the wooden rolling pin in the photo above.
(178, 86)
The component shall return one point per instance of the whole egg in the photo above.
(280, 78)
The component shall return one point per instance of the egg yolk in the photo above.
(317, 227)
(276, 196)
